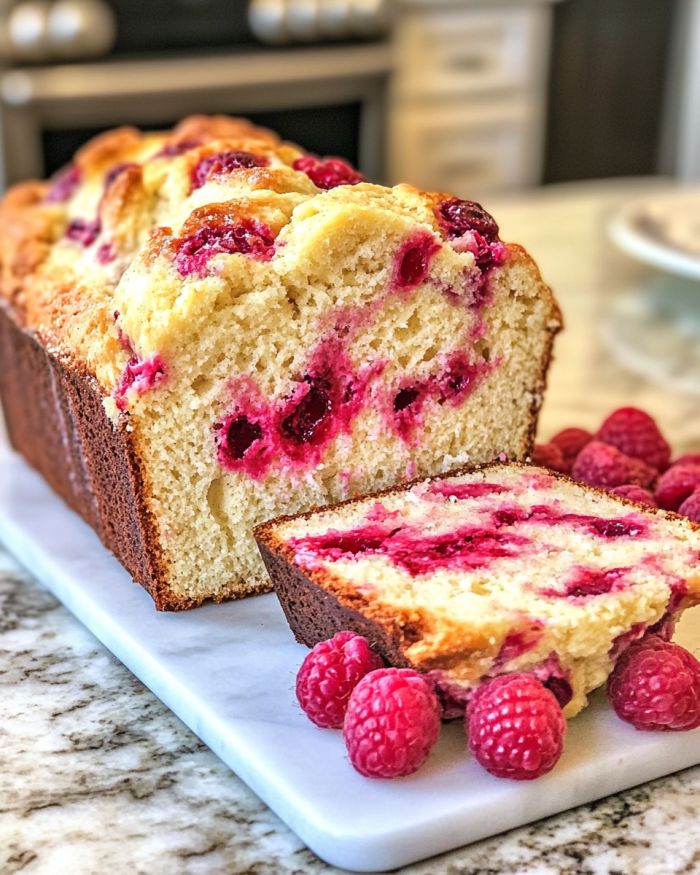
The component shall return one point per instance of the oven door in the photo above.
(272, 86)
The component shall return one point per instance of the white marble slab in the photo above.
(228, 672)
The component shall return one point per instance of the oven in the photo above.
(151, 62)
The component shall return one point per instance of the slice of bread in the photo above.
(500, 569)
(265, 332)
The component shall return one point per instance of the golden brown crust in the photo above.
(28, 231)
(94, 465)
(30, 224)
(91, 464)
(24, 194)
(215, 127)
(124, 195)
(106, 149)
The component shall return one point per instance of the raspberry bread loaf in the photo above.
(506, 568)
(207, 328)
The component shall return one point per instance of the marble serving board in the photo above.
(228, 672)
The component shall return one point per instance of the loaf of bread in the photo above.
(205, 328)
(506, 568)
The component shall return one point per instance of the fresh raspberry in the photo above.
(571, 441)
(549, 456)
(329, 674)
(677, 484)
(392, 722)
(600, 464)
(516, 727)
(691, 506)
(656, 685)
(687, 459)
(636, 434)
(635, 493)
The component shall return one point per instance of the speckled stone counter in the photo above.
(96, 776)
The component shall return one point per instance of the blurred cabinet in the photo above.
(610, 87)
(468, 96)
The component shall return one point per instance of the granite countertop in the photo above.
(98, 776)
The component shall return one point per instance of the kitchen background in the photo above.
(526, 104)
(472, 97)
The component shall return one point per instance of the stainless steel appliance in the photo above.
(321, 80)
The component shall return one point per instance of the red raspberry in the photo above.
(392, 722)
(687, 459)
(677, 484)
(636, 434)
(516, 727)
(635, 493)
(549, 456)
(656, 685)
(328, 173)
(600, 464)
(330, 673)
(691, 506)
(571, 441)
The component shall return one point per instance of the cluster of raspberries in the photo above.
(391, 717)
(629, 456)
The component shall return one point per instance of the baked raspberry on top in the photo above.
(503, 569)
(515, 727)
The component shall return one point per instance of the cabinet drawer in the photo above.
(457, 51)
(467, 155)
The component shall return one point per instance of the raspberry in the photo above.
(571, 441)
(105, 253)
(636, 434)
(413, 259)
(656, 685)
(248, 237)
(84, 231)
(329, 674)
(240, 435)
(458, 217)
(516, 727)
(392, 722)
(223, 163)
(64, 185)
(139, 375)
(687, 459)
(328, 173)
(635, 493)
(549, 456)
(677, 484)
(600, 464)
(691, 506)
(311, 416)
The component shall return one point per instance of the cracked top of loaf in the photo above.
(129, 248)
